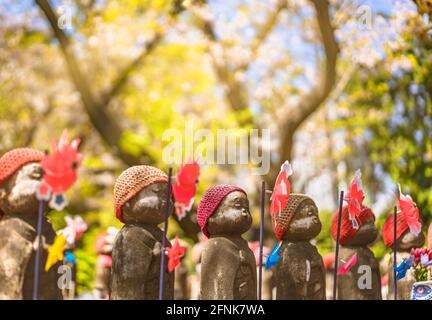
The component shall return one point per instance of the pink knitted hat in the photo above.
(210, 201)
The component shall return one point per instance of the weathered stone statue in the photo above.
(363, 280)
(228, 269)
(20, 176)
(103, 246)
(405, 242)
(140, 200)
(300, 272)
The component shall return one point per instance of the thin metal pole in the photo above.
(38, 250)
(263, 192)
(394, 252)
(166, 215)
(341, 196)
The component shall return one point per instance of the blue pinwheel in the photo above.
(403, 267)
(273, 258)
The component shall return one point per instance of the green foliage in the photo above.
(391, 115)
(325, 243)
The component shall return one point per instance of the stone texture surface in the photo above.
(404, 286)
(300, 272)
(137, 249)
(228, 268)
(17, 239)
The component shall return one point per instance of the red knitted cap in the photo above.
(210, 201)
(347, 230)
(132, 181)
(13, 160)
(388, 228)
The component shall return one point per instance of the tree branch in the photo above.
(107, 126)
(235, 92)
(124, 75)
(311, 101)
(264, 32)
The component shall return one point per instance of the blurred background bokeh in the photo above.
(341, 84)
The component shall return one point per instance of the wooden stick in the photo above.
(341, 197)
(263, 193)
(166, 216)
(38, 250)
(394, 252)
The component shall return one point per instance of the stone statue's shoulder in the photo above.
(220, 243)
(17, 228)
(221, 246)
(136, 234)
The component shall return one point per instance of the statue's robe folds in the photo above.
(17, 261)
(228, 270)
(300, 272)
(354, 285)
(136, 264)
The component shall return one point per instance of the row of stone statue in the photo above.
(228, 266)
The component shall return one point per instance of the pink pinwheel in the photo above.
(282, 189)
(74, 229)
(185, 187)
(410, 211)
(60, 171)
(355, 198)
(348, 265)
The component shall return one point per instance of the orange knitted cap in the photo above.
(347, 230)
(282, 220)
(132, 181)
(14, 159)
(387, 231)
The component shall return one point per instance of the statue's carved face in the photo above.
(148, 206)
(232, 217)
(305, 225)
(18, 194)
(408, 241)
(365, 235)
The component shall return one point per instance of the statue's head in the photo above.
(405, 239)
(364, 234)
(140, 195)
(20, 176)
(298, 221)
(224, 210)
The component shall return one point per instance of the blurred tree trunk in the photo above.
(236, 94)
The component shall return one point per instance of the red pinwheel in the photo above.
(282, 189)
(174, 254)
(185, 187)
(410, 211)
(355, 198)
(348, 265)
(60, 171)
